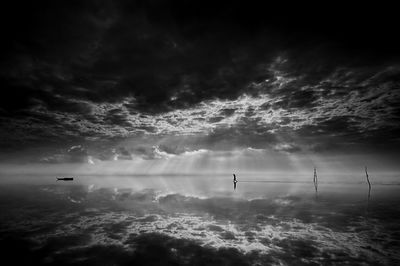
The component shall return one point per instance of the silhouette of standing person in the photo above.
(234, 182)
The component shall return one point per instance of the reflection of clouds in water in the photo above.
(280, 229)
(272, 234)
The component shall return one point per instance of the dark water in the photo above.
(196, 221)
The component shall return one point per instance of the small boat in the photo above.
(65, 179)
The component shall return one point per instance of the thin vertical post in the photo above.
(369, 183)
(315, 180)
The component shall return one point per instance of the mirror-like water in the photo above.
(197, 220)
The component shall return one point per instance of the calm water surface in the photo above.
(197, 220)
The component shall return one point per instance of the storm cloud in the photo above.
(220, 75)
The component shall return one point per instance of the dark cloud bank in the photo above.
(76, 73)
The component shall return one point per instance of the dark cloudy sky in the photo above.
(100, 81)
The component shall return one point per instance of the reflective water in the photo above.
(200, 220)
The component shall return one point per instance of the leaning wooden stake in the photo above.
(369, 183)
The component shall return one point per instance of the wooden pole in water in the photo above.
(369, 183)
(315, 180)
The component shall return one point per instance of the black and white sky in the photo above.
(96, 82)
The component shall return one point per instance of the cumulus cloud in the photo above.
(286, 147)
(75, 154)
(122, 154)
(153, 152)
